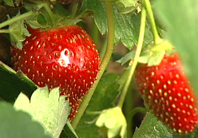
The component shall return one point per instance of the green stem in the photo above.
(149, 10)
(16, 18)
(26, 15)
(4, 31)
(123, 79)
(130, 117)
(137, 54)
(136, 110)
(103, 49)
(95, 34)
(107, 57)
(50, 13)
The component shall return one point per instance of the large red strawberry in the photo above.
(65, 57)
(166, 90)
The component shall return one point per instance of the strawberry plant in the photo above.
(91, 69)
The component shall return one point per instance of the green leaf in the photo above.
(18, 124)
(126, 6)
(12, 84)
(126, 26)
(99, 13)
(151, 127)
(103, 98)
(50, 109)
(9, 2)
(181, 21)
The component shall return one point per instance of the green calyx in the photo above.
(44, 15)
(53, 16)
(154, 53)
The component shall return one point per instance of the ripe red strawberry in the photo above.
(166, 90)
(65, 57)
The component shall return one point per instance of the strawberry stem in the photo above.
(137, 54)
(105, 61)
(130, 117)
(95, 34)
(26, 15)
(156, 36)
(103, 49)
(17, 18)
(4, 31)
(50, 13)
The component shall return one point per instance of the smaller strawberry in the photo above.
(167, 92)
(64, 57)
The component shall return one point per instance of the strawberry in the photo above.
(167, 92)
(65, 57)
